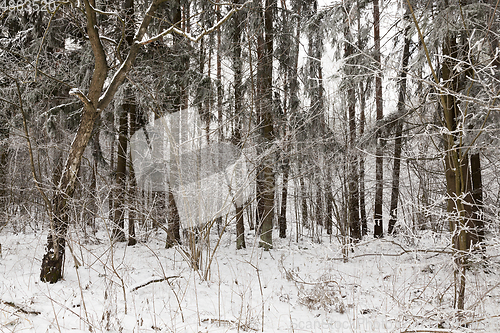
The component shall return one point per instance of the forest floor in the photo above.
(394, 284)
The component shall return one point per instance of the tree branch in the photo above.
(191, 37)
(125, 67)
(44, 38)
(153, 281)
(101, 67)
(78, 93)
(122, 38)
(9, 102)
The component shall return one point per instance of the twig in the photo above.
(481, 319)
(261, 293)
(295, 278)
(395, 254)
(398, 254)
(153, 281)
(43, 39)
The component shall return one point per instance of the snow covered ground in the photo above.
(395, 284)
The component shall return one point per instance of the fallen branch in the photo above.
(397, 254)
(428, 330)
(153, 281)
(228, 323)
(20, 308)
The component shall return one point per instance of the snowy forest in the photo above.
(272, 166)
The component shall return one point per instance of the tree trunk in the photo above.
(395, 177)
(284, 196)
(319, 204)
(132, 182)
(53, 259)
(98, 159)
(180, 104)
(476, 235)
(329, 208)
(121, 177)
(362, 196)
(379, 161)
(111, 193)
(174, 222)
(363, 89)
(93, 203)
(238, 21)
(4, 153)
(240, 228)
(353, 175)
(265, 189)
(399, 130)
(130, 107)
(457, 168)
(303, 197)
(291, 93)
(220, 97)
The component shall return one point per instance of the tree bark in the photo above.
(265, 195)
(476, 235)
(329, 207)
(174, 222)
(238, 22)
(119, 208)
(284, 196)
(458, 167)
(220, 99)
(292, 100)
(181, 98)
(379, 161)
(4, 153)
(132, 182)
(362, 88)
(399, 130)
(353, 175)
(362, 196)
(53, 259)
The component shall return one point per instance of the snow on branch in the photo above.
(190, 37)
(98, 11)
(78, 93)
